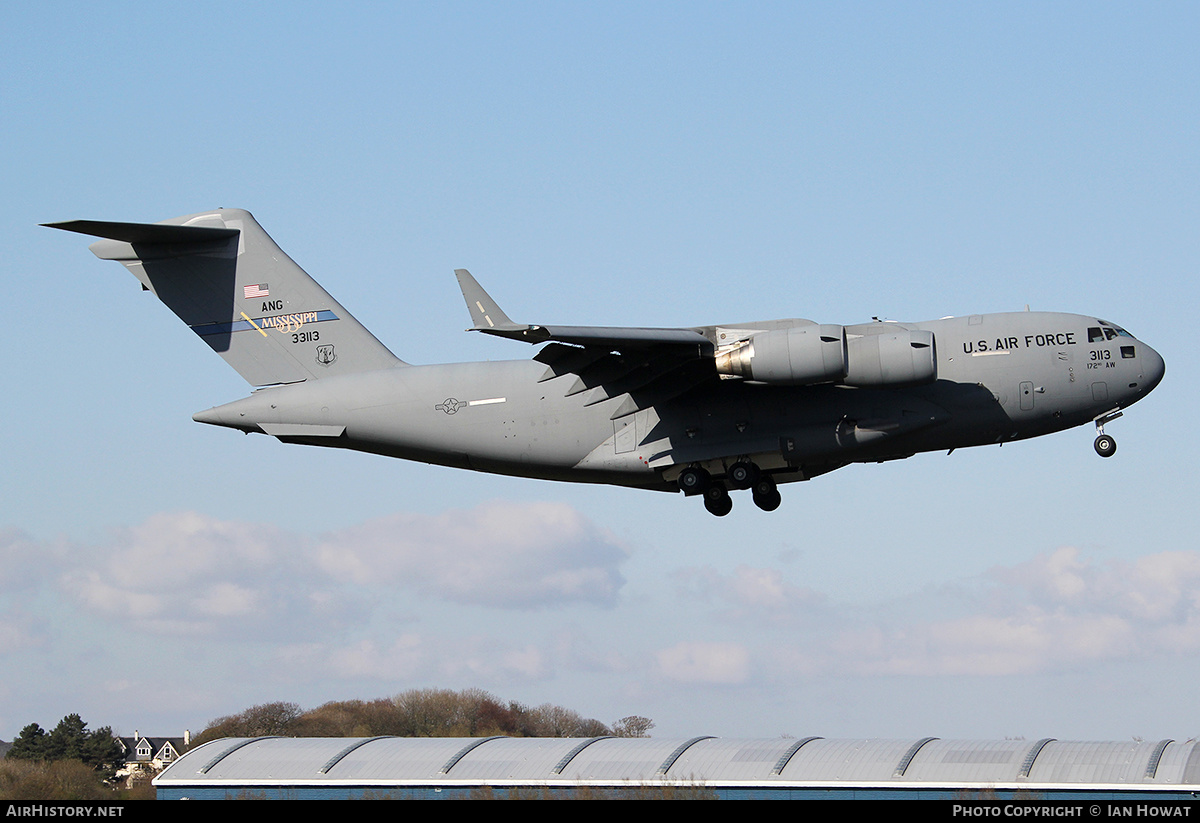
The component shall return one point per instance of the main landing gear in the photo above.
(1106, 445)
(717, 500)
(766, 495)
(741, 475)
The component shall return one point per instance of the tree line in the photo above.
(70, 762)
(419, 713)
(69, 740)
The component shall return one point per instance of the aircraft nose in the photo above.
(1153, 369)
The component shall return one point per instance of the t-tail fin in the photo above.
(225, 277)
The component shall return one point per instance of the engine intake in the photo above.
(895, 358)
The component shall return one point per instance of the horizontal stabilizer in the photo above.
(144, 233)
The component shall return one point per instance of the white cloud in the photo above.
(1156, 594)
(498, 555)
(24, 561)
(527, 662)
(1059, 611)
(172, 551)
(94, 592)
(984, 644)
(227, 600)
(751, 592)
(415, 657)
(713, 663)
(19, 630)
(185, 573)
(188, 569)
(406, 657)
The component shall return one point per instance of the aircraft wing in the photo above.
(489, 318)
(649, 365)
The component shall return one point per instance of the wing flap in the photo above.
(616, 337)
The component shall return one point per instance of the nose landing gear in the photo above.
(1106, 445)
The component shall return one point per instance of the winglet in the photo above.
(485, 314)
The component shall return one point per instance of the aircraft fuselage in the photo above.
(703, 409)
(1000, 377)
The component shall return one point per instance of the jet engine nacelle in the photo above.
(808, 355)
(798, 356)
(895, 357)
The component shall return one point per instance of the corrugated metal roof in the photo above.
(433, 761)
(970, 761)
(1109, 763)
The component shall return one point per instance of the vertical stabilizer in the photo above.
(228, 281)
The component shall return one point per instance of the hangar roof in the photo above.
(532, 761)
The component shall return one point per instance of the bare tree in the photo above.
(633, 726)
(257, 721)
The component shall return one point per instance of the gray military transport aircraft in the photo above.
(703, 410)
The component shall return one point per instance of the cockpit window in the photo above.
(1106, 331)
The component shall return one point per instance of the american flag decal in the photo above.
(257, 290)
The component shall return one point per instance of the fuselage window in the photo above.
(1128, 353)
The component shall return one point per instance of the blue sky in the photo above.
(611, 164)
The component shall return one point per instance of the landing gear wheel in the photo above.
(1106, 446)
(766, 495)
(693, 480)
(717, 501)
(769, 502)
(742, 474)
